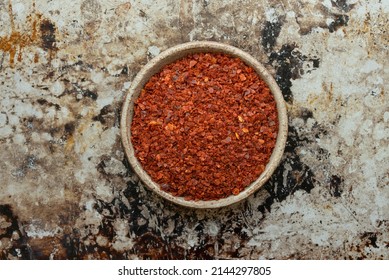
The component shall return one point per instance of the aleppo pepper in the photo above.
(205, 126)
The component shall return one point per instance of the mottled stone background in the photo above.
(67, 192)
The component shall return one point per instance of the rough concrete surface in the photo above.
(67, 191)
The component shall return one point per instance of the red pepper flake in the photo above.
(153, 123)
(206, 131)
(192, 63)
(170, 127)
(235, 191)
(242, 77)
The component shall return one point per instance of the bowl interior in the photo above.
(173, 54)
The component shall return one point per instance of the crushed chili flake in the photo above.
(205, 126)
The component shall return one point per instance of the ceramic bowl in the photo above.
(173, 54)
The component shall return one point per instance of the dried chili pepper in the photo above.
(205, 126)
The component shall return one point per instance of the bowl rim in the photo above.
(155, 65)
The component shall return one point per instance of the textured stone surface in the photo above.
(66, 188)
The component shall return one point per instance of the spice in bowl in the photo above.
(205, 126)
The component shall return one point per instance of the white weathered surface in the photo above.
(62, 171)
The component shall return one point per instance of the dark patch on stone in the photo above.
(336, 186)
(371, 239)
(342, 5)
(266, 206)
(132, 192)
(103, 112)
(284, 70)
(47, 29)
(322, 154)
(50, 75)
(150, 246)
(148, 242)
(270, 33)
(291, 175)
(288, 62)
(8, 216)
(63, 132)
(44, 102)
(106, 228)
(70, 127)
(100, 167)
(73, 245)
(6, 117)
(300, 177)
(128, 166)
(108, 116)
(339, 21)
(1, 64)
(205, 3)
(124, 70)
(238, 230)
(306, 114)
(316, 62)
(20, 248)
(338, 13)
(199, 227)
(90, 94)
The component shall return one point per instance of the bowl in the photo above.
(167, 57)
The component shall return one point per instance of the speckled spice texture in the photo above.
(67, 192)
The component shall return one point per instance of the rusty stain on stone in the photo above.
(41, 34)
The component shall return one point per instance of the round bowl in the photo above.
(173, 54)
